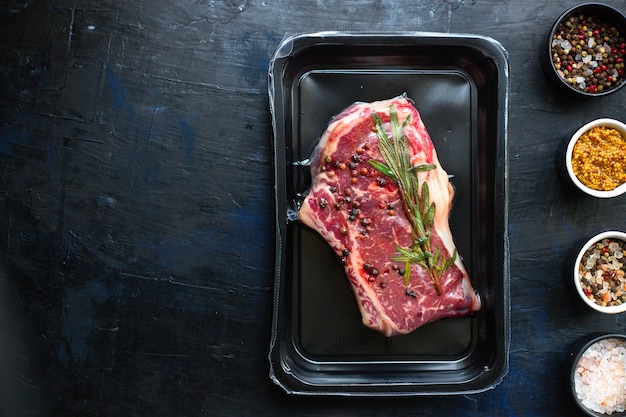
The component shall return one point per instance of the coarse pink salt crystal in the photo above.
(600, 377)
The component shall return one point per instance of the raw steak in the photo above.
(360, 213)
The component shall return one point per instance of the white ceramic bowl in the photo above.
(615, 124)
(609, 309)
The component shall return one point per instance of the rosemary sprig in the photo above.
(415, 199)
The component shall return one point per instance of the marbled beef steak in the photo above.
(402, 277)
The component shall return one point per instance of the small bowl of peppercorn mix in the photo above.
(595, 158)
(587, 49)
(599, 273)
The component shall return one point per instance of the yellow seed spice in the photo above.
(599, 158)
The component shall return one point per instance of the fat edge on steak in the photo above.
(359, 213)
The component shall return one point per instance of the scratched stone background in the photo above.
(136, 206)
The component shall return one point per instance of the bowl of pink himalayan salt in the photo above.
(597, 374)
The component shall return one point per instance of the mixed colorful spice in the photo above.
(588, 53)
(599, 158)
(601, 272)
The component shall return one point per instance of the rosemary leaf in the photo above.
(423, 167)
(425, 200)
(413, 257)
(383, 169)
(450, 260)
(436, 259)
(429, 216)
(407, 272)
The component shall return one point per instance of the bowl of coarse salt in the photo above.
(597, 374)
(599, 274)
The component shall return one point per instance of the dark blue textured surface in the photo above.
(136, 223)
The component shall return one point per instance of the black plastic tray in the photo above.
(459, 84)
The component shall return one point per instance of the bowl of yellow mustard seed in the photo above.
(595, 158)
